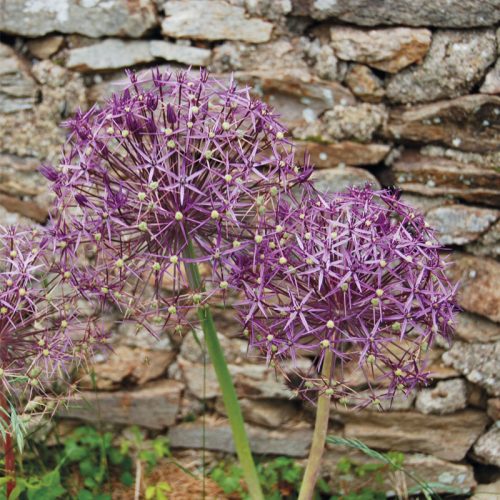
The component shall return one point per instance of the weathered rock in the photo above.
(448, 436)
(17, 87)
(387, 49)
(300, 98)
(436, 176)
(130, 365)
(474, 328)
(251, 381)
(487, 447)
(27, 209)
(468, 123)
(491, 490)
(113, 53)
(440, 473)
(456, 61)
(488, 159)
(479, 277)
(478, 362)
(192, 19)
(491, 84)
(336, 180)
(493, 408)
(12, 218)
(442, 13)
(274, 55)
(43, 48)
(153, 406)
(322, 58)
(358, 123)
(447, 397)
(37, 133)
(134, 335)
(423, 203)
(488, 244)
(265, 412)
(461, 224)
(191, 56)
(218, 436)
(364, 84)
(326, 155)
(95, 19)
(20, 177)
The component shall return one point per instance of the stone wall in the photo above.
(390, 92)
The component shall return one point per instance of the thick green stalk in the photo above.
(229, 396)
(313, 467)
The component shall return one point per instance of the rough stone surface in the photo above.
(491, 84)
(447, 397)
(468, 123)
(114, 53)
(95, 19)
(153, 406)
(17, 87)
(217, 436)
(441, 13)
(474, 328)
(440, 473)
(130, 365)
(488, 244)
(365, 84)
(265, 412)
(327, 155)
(439, 176)
(359, 123)
(479, 277)
(388, 49)
(192, 19)
(300, 98)
(192, 56)
(456, 61)
(487, 448)
(483, 491)
(43, 48)
(335, 180)
(446, 436)
(493, 408)
(478, 362)
(276, 54)
(36, 132)
(460, 224)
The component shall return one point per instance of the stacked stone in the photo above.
(392, 92)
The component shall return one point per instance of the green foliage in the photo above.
(158, 491)
(95, 455)
(280, 478)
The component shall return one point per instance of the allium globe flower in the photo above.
(41, 332)
(360, 276)
(171, 171)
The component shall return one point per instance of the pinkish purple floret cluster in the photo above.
(359, 275)
(179, 169)
(42, 333)
(173, 159)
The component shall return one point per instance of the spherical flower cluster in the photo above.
(170, 172)
(41, 332)
(360, 276)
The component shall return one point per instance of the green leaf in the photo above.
(127, 478)
(150, 492)
(85, 495)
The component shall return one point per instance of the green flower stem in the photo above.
(313, 467)
(229, 396)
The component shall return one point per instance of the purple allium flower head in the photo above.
(41, 332)
(170, 160)
(359, 275)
